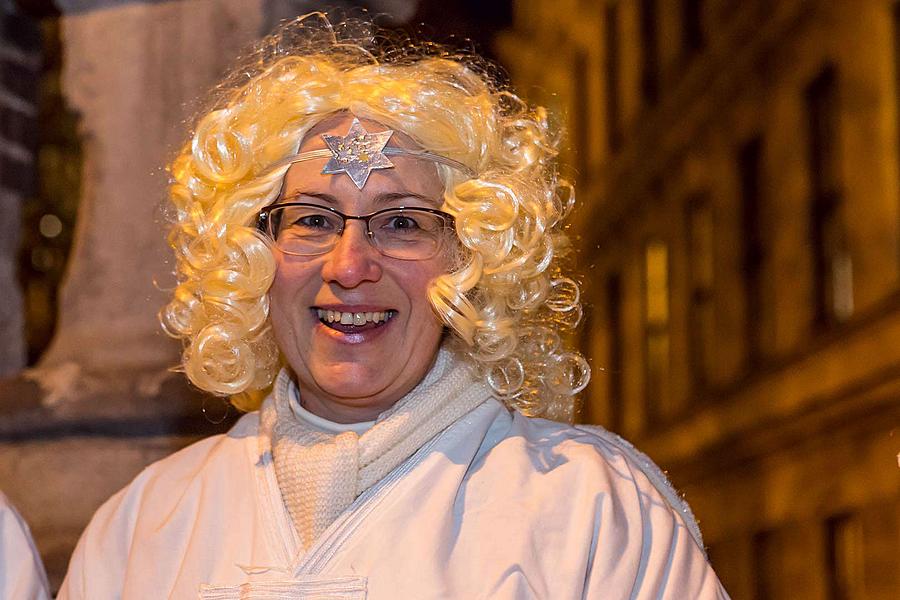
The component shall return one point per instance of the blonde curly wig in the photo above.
(509, 297)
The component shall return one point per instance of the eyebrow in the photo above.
(379, 199)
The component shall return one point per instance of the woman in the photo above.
(384, 233)
(22, 573)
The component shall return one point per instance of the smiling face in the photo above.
(353, 372)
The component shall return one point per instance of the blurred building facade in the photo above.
(738, 166)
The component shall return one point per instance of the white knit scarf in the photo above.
(321, 473)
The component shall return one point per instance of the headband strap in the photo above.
(359, 153)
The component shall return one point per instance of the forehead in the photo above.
(408, 175)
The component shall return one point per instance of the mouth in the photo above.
(354, 322)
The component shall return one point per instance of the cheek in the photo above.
(278, 301)
(417, 289)
(287, 291)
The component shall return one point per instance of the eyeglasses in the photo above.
(308, 229)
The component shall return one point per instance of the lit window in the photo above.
(832, 263)
(656, 328)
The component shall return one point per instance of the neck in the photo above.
(344, 411)
(324, 424)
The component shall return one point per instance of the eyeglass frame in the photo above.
(263, 224)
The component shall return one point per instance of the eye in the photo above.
(306, 221)
(402, 223)
(314, 221)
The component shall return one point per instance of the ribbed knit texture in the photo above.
(321, 473)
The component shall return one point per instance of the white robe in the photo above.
(22, 575)
(496, 506)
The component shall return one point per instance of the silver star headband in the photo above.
(359, 153)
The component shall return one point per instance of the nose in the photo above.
(353, 260)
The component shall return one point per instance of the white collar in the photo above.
(322, 423)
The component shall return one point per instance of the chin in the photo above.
(353, 380)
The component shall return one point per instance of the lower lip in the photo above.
(353, 338)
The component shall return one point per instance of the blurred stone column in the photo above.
(133, 73)
(102, 404)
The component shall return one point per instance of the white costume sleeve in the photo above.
(672, 561)
(22, 575)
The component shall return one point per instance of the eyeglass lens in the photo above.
(407, 233)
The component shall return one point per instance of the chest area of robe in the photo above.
(479, 512)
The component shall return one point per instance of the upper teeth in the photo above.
(353, 318)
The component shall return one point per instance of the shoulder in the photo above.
(201, 460)
(162, 500)
(599, 461)
(202, 463)
(590, 495)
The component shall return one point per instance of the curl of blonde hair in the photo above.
(507, 299)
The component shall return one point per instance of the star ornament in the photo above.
(358, 153)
